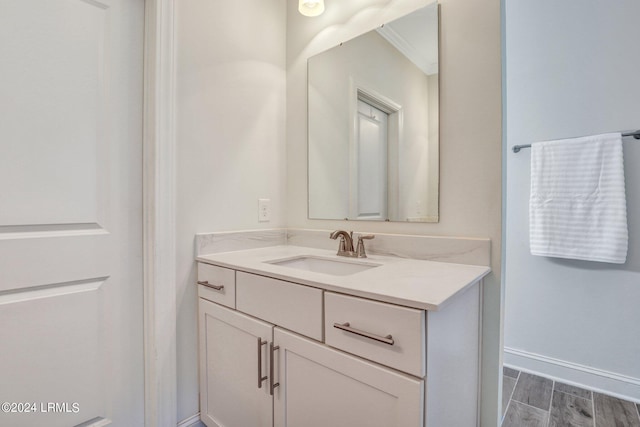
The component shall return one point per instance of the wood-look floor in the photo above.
(533, 401)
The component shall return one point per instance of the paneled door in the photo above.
(369, 171)
(71, 307)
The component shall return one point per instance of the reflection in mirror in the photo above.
(373, 124)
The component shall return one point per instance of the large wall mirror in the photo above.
(373, 124)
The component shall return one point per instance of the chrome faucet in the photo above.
(345, 248)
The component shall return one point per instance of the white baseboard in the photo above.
(192, 421)
(598, 380)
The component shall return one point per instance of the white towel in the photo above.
(578, 208)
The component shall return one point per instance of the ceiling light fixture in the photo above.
(311, 7)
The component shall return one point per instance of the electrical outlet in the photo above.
(264, 210)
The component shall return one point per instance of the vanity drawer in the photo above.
(361, 327)
(220, 284)
(292, 306)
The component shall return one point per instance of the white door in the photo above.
(234, 383)
(322, 387)
(71, 341)
(369, 176)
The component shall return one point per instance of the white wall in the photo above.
(572, 70)
(470, 135)
(433, 188)
(230, 140)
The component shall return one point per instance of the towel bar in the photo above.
(517, 148)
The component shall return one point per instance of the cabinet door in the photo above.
(231, 393)
(322, 387)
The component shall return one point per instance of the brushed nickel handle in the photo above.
(347, 328)
(210, 285)
(272, 350)
(360, 252)
(261, 378)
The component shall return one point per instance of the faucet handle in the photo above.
(342, 247)
(360, 252)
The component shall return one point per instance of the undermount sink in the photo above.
(324, 265)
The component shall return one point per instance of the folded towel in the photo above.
(578, 208)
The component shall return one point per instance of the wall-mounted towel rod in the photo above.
(517, 148)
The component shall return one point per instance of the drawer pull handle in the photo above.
(261, 378)
(347, 328)
(272, 350)
(209, 285)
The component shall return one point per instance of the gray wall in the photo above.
(572, 69)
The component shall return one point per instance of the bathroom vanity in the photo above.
(297, 336)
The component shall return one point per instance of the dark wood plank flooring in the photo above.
(532, 401)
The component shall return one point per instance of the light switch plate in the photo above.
(264, 210)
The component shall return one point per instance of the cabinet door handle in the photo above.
(347, 328)
(260, 377)
(209, 285)
(272, 350)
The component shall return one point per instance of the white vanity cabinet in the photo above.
(233, 364)
(321, 387)
(291, 355)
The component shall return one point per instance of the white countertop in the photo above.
(426, 285)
